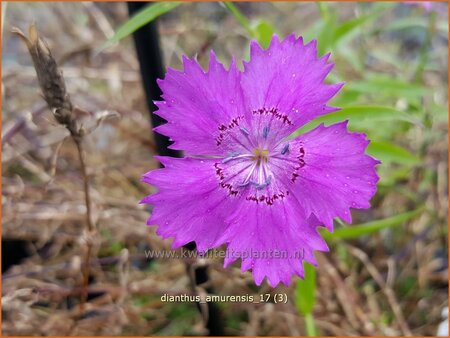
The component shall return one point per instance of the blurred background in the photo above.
(387, 277)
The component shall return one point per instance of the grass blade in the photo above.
(239, 16)
(359, 113)
(391, 153)
(305, 293)
(355, 231)
(388, 86)
(263, 31)
(143, 17)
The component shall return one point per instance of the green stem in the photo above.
(311, 330)
(239, 16)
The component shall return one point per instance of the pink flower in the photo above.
(243, 181)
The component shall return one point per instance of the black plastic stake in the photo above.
(146, 41)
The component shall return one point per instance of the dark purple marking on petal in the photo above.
(221, 176)
(301, 162)
(223, 128)
(269, 200)
(274, 112)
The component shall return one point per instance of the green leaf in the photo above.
(143, 17)
(326, 35)
(310, 326)
(305, 293)
(349, 26)
(391, 153)
(345, 98)
(263, 31)
(355, 231)
(387, 86)
(390, 177)
(333, 33)
(359, 113)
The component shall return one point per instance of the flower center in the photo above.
(259, 174)
(260, 155)
(258, 158)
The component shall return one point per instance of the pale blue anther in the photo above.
(285, 149)
(230, 157)
(244, 131)
(265, 131)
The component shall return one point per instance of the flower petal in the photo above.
(188, 206)
(198, 105)
(334, 172)
(273, 241)
(287, 77)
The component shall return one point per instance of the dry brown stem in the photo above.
(53, 87)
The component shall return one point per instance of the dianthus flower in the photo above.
(243, 180)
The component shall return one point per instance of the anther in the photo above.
(285, 149)
(242, 185)
(229, 158)
(244, 131)
(265, 131)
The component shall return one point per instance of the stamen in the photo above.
(232, 156)
(244, 131)
(265, 131)
(250, 173)
(235, 156)
(285, 149)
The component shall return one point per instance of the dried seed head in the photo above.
(50, 79)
